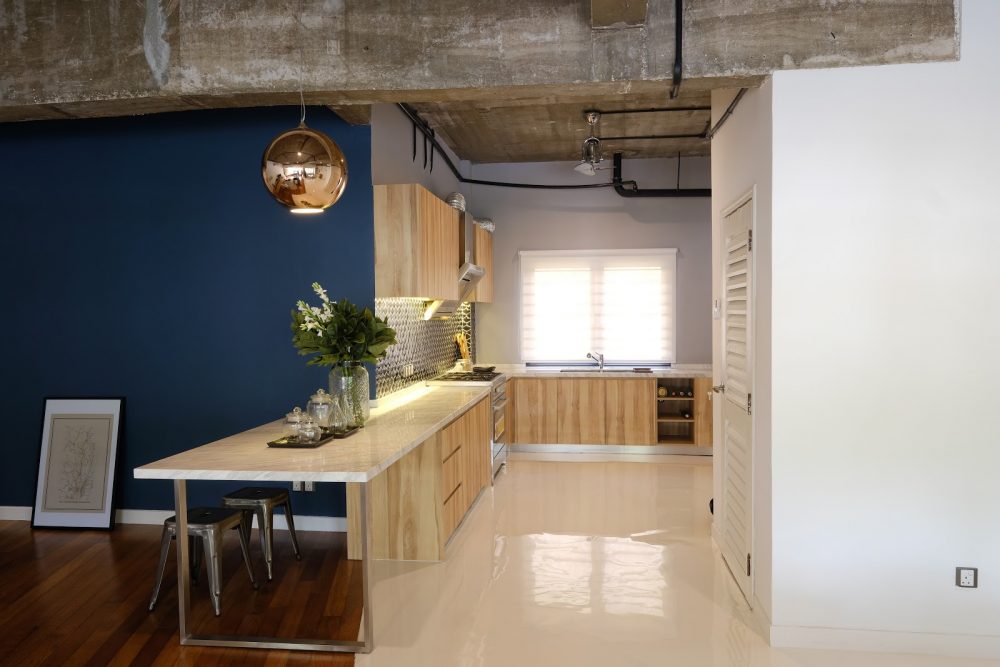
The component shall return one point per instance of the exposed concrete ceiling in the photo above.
(553, 127)
(500, 81)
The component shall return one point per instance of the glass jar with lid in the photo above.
(321, 408)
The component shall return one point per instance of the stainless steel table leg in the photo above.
(183, 569)
(364, 645)
(366, 590)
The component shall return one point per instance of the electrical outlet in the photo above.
(408, 370)
(967, 577)
(296, 486)
(309, 486)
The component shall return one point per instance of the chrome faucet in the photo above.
(599, 358)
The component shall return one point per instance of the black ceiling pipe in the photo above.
(631, 189)
(653, 110)
(419, 124)
(675, 89)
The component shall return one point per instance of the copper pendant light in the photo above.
(304, 169)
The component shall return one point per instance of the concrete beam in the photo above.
(355, 114)
(617, 13)
(65, 57)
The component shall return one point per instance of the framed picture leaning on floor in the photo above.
(77, 462)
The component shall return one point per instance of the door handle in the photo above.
(719, 389)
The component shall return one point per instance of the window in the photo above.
(616, 302)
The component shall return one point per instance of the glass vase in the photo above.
(349, 388)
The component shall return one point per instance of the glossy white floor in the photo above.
(585, 563)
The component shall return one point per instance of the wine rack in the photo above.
(677, 411)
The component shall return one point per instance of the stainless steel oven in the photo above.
(498, 398)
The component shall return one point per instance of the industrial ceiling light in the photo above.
(304, 169)
(591, 154)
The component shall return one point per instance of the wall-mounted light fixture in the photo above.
(304, 169)
(591, 155)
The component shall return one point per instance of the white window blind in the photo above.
(616, 302)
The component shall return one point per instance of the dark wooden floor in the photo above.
(80, 598)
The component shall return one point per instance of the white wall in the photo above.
(886, 351)
(586, 219)
(392, 155)
(741, 161)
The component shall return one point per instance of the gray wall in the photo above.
(392, 155)
(594, 219)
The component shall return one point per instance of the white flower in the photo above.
(327, 313)
(320, 292)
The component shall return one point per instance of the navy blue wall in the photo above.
(142, 257)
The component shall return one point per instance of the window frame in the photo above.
(660, 253)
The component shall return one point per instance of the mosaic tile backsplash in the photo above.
(427, 344)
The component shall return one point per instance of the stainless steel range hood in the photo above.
(469, 273)
(468, 276)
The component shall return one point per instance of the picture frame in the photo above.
(78, 459)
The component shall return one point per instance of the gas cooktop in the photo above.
(482, 375)
(469, 376)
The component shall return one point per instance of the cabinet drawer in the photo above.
(452, 512)
(451, 473)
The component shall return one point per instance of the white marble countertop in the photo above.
(400, 423)
(676, 371)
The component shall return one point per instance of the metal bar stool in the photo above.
(207, 525)
(262, 501)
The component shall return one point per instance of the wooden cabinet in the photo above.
(580, 412)
(469, 432)
(631, 411)
(703, 412)
(416, 504)
(684, 411)
(613, 411)
(534, 411)
(483, 256)
(416, 243)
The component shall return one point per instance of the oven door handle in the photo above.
(499, 406)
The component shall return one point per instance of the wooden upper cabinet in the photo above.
(416, 243)
(483, 256)
(581, 412)
(631, 412)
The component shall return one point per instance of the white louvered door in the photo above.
(737, 378)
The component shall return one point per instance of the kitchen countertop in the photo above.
(400, 423)
(677, 371)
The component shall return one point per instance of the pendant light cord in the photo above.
(302, 62)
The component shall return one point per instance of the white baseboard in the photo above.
(327, 524)
(14, 513)
(886, 641)
(142, 517)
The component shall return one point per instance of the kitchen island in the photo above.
(396, 432)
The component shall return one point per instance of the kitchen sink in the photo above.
(604, 370)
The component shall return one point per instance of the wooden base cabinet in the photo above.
(612, 411)
(534, 412)
(631, 412)
(582, 411)
(416, 504)
(684, 411)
